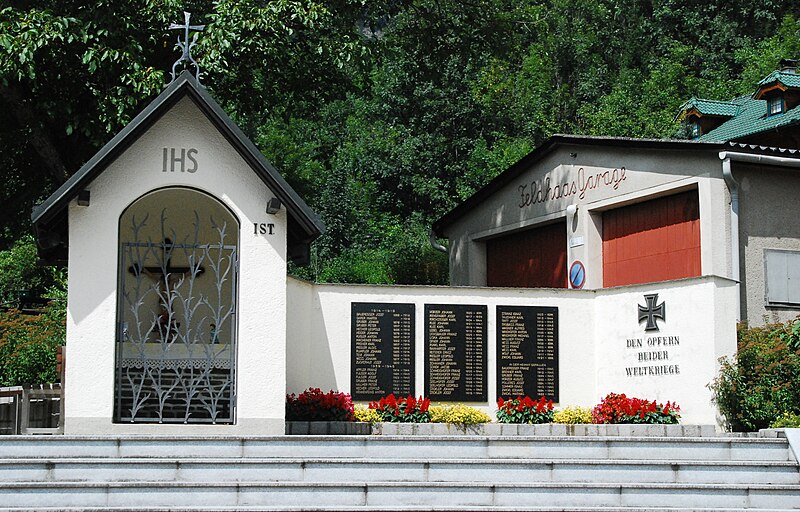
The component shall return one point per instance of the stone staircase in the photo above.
(397, 473)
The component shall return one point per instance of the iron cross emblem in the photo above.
(186, 45)
(651, 312)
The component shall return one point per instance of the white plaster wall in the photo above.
(700, 313)
(94, 265)
(331, 341)
(593, 327)
(300, 319)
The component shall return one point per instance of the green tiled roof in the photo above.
(787, 79)
(751, 118)
(711, 107)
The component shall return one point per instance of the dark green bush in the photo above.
(762, 381)
(21, 274)
(28, 345)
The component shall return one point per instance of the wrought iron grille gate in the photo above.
(176, 329)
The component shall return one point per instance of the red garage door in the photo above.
(534, 258)
(652, 241)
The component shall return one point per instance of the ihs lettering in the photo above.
(172, 157)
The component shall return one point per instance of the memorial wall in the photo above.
(382, 350)
(472, 345)
(455, 352)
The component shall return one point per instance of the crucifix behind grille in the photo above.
(175, 358)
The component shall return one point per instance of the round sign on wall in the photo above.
(577, 275)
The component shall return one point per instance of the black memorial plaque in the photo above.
(527, 351)
(382, 350)
(455, 353)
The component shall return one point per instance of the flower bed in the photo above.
(314, 405)
(524, 410)
(619, 408)
(403, 410)
(615, 415)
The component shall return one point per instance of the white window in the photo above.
(783, 277)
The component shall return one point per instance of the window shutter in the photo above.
(783, 277)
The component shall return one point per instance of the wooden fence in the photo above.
(36, 409)
(31, 409)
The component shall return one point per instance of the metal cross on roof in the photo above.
(186, 45)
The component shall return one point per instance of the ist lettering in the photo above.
(263, 228)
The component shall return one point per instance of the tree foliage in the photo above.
(382, 114)
(21, 276)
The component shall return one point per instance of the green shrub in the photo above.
(410, 257)
(21, 274)
(573, 415)
(458, 414)
(353, 266)
(787, 420)
(28, 345)
(762, 381)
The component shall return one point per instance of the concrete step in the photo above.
(397, 473)
(392, 470)
(247, 508)
(400, 447)
(355, 495)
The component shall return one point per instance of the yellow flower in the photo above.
(573, 415)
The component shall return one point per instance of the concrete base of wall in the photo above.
(323, 428)
(546, 429)
(243, 427)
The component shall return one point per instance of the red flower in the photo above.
(425, 405)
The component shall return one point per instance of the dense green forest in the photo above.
(382, 114)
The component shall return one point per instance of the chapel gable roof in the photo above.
(50, 217)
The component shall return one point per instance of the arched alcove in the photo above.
(177, 295)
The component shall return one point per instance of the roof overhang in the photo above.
(766, 89)
(552, 144)
(50, 217)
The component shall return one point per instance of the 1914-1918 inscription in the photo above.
(527, 351)
(455, 352)
(382, 348)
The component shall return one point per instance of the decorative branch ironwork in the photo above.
(176, 342)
